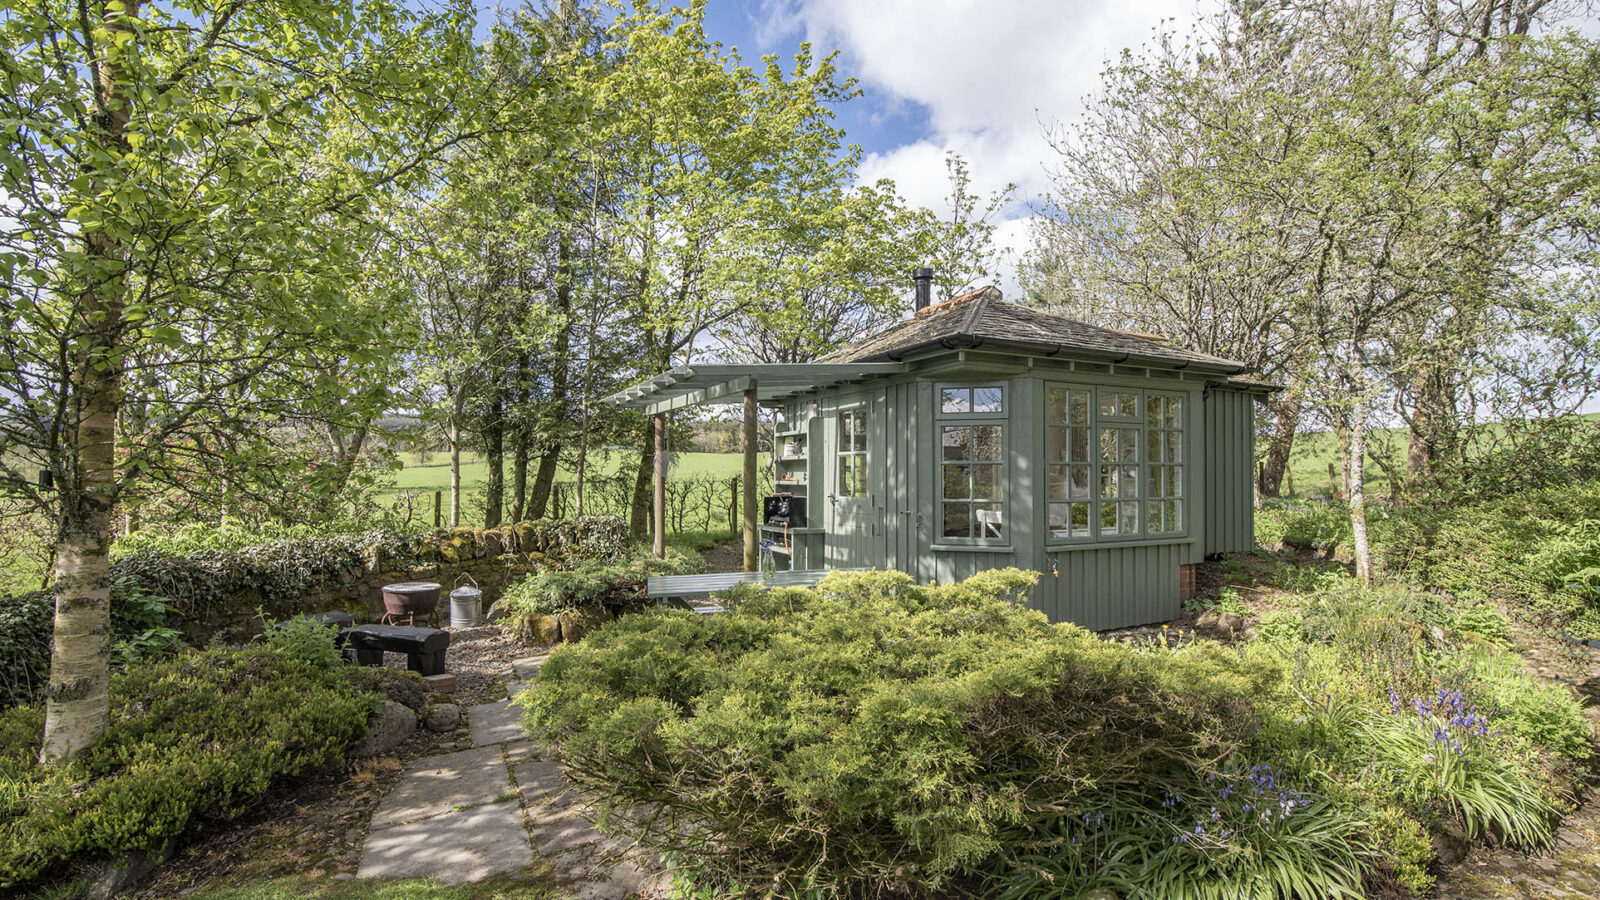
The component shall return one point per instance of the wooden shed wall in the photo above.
(1113, 587)
(1229, 479)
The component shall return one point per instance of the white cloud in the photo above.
(988, 73)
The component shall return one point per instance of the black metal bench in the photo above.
(424, 647)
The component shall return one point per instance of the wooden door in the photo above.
(855, 497)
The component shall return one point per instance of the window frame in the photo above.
(990, 418)
(1143, 464)
(858, 457)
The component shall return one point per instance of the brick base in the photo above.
(1186, 583)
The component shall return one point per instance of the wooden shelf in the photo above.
(800, 432)
(800, 458)
(779, 529)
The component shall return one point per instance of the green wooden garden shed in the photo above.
(979, 434)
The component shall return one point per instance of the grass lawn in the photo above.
(434, 473)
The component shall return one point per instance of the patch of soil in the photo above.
(727, 557)
(313, 828)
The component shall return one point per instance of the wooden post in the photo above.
(438, 509)
(752, 560)
(658, 543)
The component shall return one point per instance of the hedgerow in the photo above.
(194, 737)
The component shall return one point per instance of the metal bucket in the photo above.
(466, 604)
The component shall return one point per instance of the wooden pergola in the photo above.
(752, 385)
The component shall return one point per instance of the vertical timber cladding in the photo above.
(1229, 472)
(1113, 587)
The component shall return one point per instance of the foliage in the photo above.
(593, 584)
(195, 737)
(1528, 552)
(304, 639)
(1303, 525)
(403, 687)
(830, 741)
(140, 625)
(150, 589)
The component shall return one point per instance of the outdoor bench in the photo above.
(424, 647)
(670, 589)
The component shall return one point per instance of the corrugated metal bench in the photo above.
(671, 589)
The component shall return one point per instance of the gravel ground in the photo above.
(479, 658)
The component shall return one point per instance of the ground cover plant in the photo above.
(197, 736)
(876, 738)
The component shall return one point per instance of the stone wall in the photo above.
(223, 594)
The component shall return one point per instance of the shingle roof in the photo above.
(983, 317)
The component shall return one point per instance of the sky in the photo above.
(982, 78)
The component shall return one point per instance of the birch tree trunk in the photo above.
(77, 701)
(1356, 473)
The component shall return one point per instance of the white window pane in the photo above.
(1056, 482)
(988, 400)
(1174, 412)
(986, 442)
(956, 400)
(1055, 406)
(957, 442)
(957, 483)
(1128, 517)
(1078, 408)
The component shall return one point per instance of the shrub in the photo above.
(872, 733)
(276, 577)
(197, 736)
(1528, 552)
(591, 584)
(304, 639)
(1303, 525)
(400, 685)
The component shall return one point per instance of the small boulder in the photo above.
(387, 728)
(444, 717)
(576, 623)
(122, 874)
(1450, 844)
(497, 611)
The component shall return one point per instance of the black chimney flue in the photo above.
(924, 279)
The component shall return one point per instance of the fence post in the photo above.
(438, 505)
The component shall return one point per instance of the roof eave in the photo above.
(951, 342)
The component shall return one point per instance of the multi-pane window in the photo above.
(852, 454)
(1113, 462)
(979, 400)
(1069, 465)
(1164, 494)
(971, 481)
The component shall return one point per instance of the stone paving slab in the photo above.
(436, 785)
(592, 865)
(527, 668)
(495, 723)
(455, 848)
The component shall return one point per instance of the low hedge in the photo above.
(197, 736)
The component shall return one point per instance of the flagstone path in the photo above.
(462, 817)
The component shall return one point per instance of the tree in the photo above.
(193, 195)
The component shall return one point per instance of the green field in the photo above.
(434, 474)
